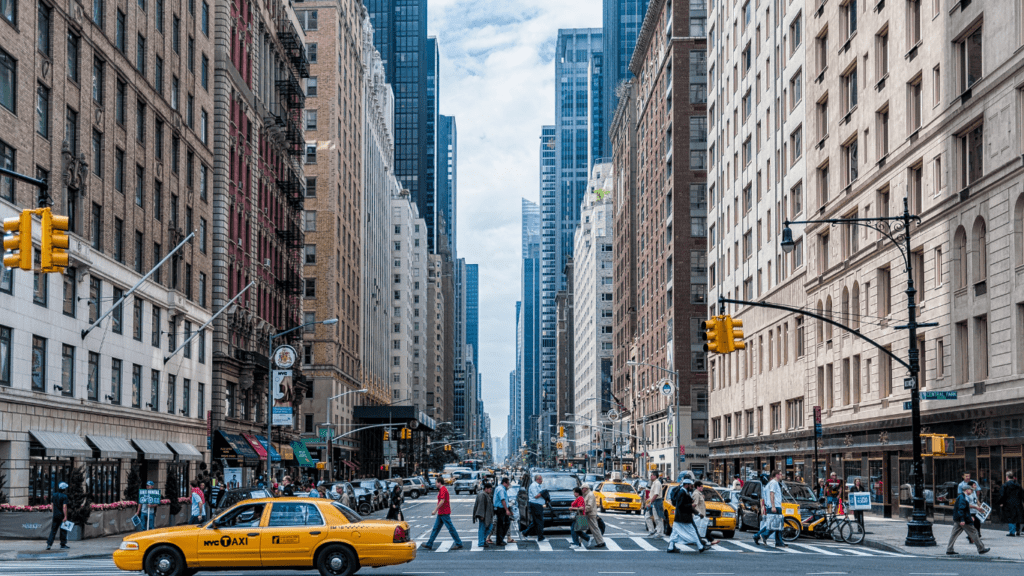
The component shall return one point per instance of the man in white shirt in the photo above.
(773, 505)
(536, 494)
(655, 502)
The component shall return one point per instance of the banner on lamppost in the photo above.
(283, 411)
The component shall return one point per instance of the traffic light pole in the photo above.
(44, 200)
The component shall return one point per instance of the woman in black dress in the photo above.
(395, 511)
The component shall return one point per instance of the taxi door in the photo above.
(233, 539)
(294, 530)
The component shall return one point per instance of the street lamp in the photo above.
(897, 230)
(675, 410)
(270, 383)
(330, 435)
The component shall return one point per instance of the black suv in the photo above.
(560, 489)
(750, 502)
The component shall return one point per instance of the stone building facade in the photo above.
(112, 107)
(409, 341)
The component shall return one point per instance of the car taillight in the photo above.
(401, 535)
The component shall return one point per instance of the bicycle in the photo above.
(840, 528)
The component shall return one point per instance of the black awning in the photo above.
(233, 447)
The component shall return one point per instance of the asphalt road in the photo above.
(629, 552)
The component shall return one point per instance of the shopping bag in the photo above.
(67, 525)
(775, 522)
(702, 526)
(580, 524)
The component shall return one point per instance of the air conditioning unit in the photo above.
(239, 240)
(241, 184)
(266, 262)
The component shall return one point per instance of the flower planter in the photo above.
(25, 525)
(76, 534)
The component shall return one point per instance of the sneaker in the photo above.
(601, 545)
(952, 553)
(65, 547)
(499, 544)
(574, 546)
(48, 547)
(457, 547)
(757, 541)
(427, 547)
(985, 551)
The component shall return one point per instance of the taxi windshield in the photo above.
(619, 488)
(712, 495)
(560, 483)
(798, 492)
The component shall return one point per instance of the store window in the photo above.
(44, 475)
(103, 481)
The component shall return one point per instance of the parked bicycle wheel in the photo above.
(853, 532)
(835, 529)
(790, 529)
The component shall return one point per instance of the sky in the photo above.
(497, 79)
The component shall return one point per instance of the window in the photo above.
(9, 11)
(882, 54)
(201, 345)
(914, 104)
(137, 311)
(97, 227)
(821, 55)
(795, 34)
(140, 122)
(70, 293)
(119, 240)
(44, 26)
(117, 316)
(794, 414)
(981, 349)
(915, 186)
(882, 129)
(172, 394)
(310, 254)
(796, 144)
(38, 363)
(848, 18)
(7, 161)
(120, 103)
(849, 85)
(155, 321)
(43, 111)
(970, 153)
(310, 153)
(311, 52)
(204, 72)
(796, 198)
(5, 356)
(140, 54)
(205, 21)
(850, 162)
(309, 318)
(310, 119)
(884, 292)
(310, 220)
(74, 49)
(310, 187)
(311, 87)
(776, 416)
(969, 54)
(8, 82)
(67, 370)
(796, 93)
(913, 22)
(203, 126)
(41, 287)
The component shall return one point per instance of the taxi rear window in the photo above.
(347, 512)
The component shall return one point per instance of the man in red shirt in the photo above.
(443, 510)
(833, 491)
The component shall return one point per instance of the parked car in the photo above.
(236, 495)
(412, 487)
(375, 487)
(359, 499)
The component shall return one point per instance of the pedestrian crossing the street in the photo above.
(639, 544)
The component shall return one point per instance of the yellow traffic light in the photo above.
(52, 256)
(714, 334)
(321, 465)
(938, 444)
(387, 435)
(20, 242)
(734, 337)
(481, 445)
(561, 431)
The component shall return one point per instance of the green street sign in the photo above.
(939, 395)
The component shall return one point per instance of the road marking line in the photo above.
(751, 547)
(544, 546)
(887, 553)
(818, 551)
(855, 552)
(644, 544)
(612, 545)
(512, 547)
(473, 547)
(445, 545)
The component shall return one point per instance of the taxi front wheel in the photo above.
(165, 561)
(336, 561)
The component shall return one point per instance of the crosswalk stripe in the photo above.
(612, 545)
(887, 553)
(473, 547)
(580, 549)
(816, 550)
(445, 546)
(643, 544)
(855, 552)
(544, 546)
(788, 550)
(750, 547)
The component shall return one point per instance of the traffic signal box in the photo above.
(721, 334)
(938, 444)
(53, 255)
(20, 242)
(734, 336)
(387, 435)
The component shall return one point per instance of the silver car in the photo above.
(472, 483)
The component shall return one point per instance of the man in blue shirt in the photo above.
(59, 501)
(536, 494)
(502, 513)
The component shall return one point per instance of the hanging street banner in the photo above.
(283, 396)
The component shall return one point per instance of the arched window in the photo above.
(960, 258)
(845, 309)
(828, 314)
(1018, 231)
(819, 333)
(980, 251)
(855, 306)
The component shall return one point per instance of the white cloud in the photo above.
(497, 79)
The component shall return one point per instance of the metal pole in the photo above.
(330, 466)
(270, 399)
(203, 327)
(136, 287)
(919, 529)
(677, 464)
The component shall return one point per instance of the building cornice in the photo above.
(646, 33)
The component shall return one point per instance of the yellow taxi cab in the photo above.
(271, 534)
(617, 496)
(721, 515)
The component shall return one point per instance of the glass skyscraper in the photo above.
(621, 26)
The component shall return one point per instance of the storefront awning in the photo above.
(274, 455)
(185, 451)
(233, 447)
(349, 464)
(302, 455)
(286, 451)
(112, 447)
(59, 444)
(256, 446)
(153, 450)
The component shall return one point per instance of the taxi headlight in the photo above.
(129, 545)
(728, 514)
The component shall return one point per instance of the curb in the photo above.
(33, 557)
(879, 545)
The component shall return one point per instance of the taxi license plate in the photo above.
(624, 505)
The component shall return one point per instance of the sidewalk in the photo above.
(891, 534)
(36, 549)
